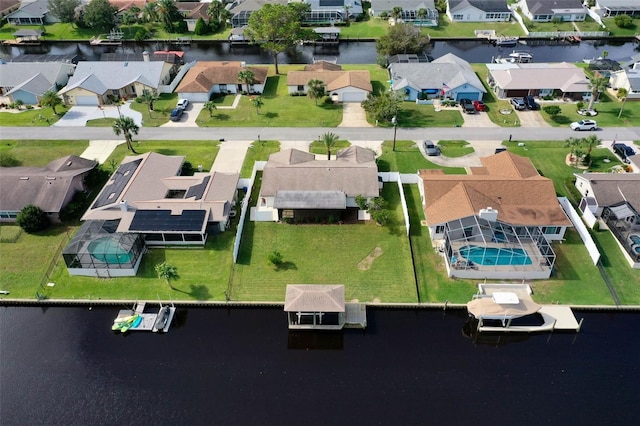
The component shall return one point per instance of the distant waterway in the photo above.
(216, 366)
(351, 52)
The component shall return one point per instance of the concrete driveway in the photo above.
(353, 115)
(479, 119)
(481, 149)
(78, 116)
(530, 118)
(188, 119)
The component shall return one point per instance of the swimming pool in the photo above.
(495, 256)
(635, 239)
(108, 250)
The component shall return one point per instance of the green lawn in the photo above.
(588, 25)
(493, 104)
(371, 28)
(407, 158)
(454, 148)
(101, 122)
(40, 152)
(317, 147)
(37, 117)
(23, 264)
(608, 110)
(196, 152)
(279, 110)
(446, 28)
(258, 151)
(625, 279)
(162, 108)
(621, 32)
(328, 254)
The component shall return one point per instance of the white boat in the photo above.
(521, 56)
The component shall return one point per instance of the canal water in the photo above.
(216, 366)
(352, 52)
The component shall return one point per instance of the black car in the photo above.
(176, 114)
(467, 106)
(624, 151)
(531, 103)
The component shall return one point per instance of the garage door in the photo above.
(87, 100)
(353, 97)
(474, 96)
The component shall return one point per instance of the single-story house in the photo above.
(608, 8)
(478, 10)
(315, 306)
(95, 82)
(8, 6)
(615, 199)
(332, 11)
(496, 222)
(627, 79)
(51, 187)
(27, 81)
(410, 11)
(208, 77)
(345, 86)
(33, 13)
(297, 187)
(147, 195)
(173, 57)
(242, 10)
(122, 6)
(448, 76)
(539, 79)
(193, 11)
(550, 10)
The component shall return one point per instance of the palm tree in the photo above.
(167, 271)
(166, 11)
(257, 103)
(576, 151)
(347, 8)
(150, 12)
(247, 77)
(396, 13)
(591, 142)
(622, 95)
(210, 106)
(217, 12)
(126, 125)
(51, 99)
(316, 89)
(422, 14)
(597, 85)
(148, 98)
(329, 140)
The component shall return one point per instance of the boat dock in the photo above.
(565, 320)
(149, 319)
(355, 315)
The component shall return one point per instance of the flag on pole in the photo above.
(445, 87)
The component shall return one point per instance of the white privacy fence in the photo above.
(244, 208)
(581, 228)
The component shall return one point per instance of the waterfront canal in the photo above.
(64, 366)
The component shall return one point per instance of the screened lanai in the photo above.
(478, 248)
(97, 250)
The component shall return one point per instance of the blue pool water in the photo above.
(495, 255)
(635, 238)
(108, 250)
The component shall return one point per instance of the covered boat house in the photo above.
(315, 306)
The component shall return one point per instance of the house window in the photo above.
(458, 17)
(552, 230)
(300, 88)
(223, 87)
(439, 229)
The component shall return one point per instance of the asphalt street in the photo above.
(304, 133)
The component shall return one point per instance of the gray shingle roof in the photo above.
(612, 188)
(98, 77)
(484, 5)
(15, 73)
(546, 7)
(314, 298)
(38, 84)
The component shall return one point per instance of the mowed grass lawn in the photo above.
(258, 151)
(36, 153)
(407, 158)
(203, 275)
(196, 152)
(608, 108)
(328, 254)
(37, 117)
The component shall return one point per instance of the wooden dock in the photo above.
(148, 318)
(355, 315)
(565, 320)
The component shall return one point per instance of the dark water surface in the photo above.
(348, 52)
(63, 366)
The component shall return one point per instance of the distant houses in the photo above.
(478, 10)
(555, 10)
(344, 86)
(27, 81)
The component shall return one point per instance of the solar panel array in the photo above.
(164, 221)
(198, 190)
(119, 180)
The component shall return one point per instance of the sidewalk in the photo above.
(231, 156)
(100, 150)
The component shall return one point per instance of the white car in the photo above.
(588, 112)
(584, 125)
(183, 104)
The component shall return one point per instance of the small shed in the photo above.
(315, 306)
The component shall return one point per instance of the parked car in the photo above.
(531, 103)
(499, 150)
(624, 151)
(479, 106)
(518, 103)
(176, 114)
(467, 106)
(183, 104)
(431, 149)
(584, 125)
(588, 112)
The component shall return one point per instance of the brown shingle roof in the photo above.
(204, 74)
(334, 80)
(323, 66)
(508, 186)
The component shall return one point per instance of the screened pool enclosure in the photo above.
(474, 247)
(98, 250)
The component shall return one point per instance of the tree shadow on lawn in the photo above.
(222, 117)
(285, 266)
(245, 252)
(271, 88)
(197, 292)
(561, 119)
(271, 115)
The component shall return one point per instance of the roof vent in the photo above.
(24, 177)
(50, 178)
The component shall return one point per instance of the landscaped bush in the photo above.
(623, 21)
(32, 219)
(8, 160)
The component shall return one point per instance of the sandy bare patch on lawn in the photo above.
(366, 263)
